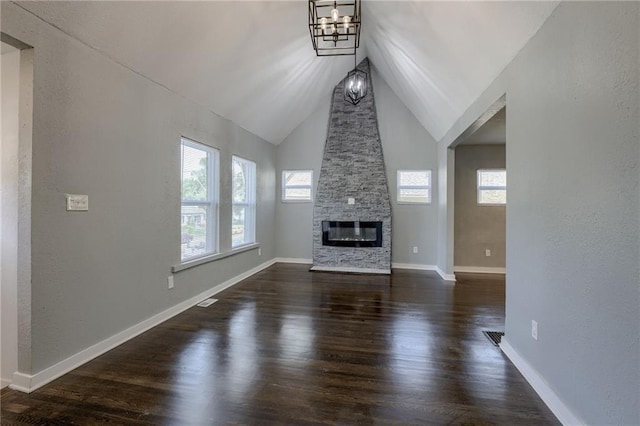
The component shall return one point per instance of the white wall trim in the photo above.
(539, 384)
(294, 260)
(4, 383)
(445, 276)
(28, 383)
(479, 270)
(347, 269)
(213, 257)
(414, 266)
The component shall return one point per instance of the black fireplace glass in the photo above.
(351, 234)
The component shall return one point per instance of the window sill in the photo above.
(213, 257)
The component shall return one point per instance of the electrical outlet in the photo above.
(487, 252)
(415, 249)
(534, 329)
(259, 252)
(170, 282)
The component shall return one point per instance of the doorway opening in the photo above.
(480, 188)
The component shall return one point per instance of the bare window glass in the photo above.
(492, 187)
(199, 212)
(414, 186)
(297, 185)
(244, 202)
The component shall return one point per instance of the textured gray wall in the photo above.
(572, 220)
(446, 176)
(9, 213)
(352, 167)
(103, 130)
(477, 227)
(406, 145)
(301, 150)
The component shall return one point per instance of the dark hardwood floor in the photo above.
(289, 346)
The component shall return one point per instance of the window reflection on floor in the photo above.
(243, 356)
(296, 338)
(410, 351)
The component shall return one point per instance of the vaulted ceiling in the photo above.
(252, 62)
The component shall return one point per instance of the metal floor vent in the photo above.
(207, 302)
(494, 336)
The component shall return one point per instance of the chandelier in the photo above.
(355, 85)
(335, 26)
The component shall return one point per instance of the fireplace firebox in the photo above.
(351, 234)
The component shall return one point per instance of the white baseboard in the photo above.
(4, 383)
(479, 270)
(539, 384)
(414, 266)
(294, 260)
(28, 383)
(347, 269)
(419, 267)
(445, 276)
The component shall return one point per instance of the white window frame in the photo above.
(212, 201)
(250, 204)
(428, 187)
(489, 187)
(285, 187)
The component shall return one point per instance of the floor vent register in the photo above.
(494, 336)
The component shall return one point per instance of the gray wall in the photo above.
(302, 149)
(477, 227)
(101, 129)
(9, 214)
(572, 220)
(446, 176)
(405, 144)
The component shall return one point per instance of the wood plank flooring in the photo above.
(289, 346)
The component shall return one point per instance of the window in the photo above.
(492, 187)
(243, 230)
(414, 186)
(296, 185)
(199, 222)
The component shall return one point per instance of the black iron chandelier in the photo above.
(355, 85)
(334, 26)
(335, 31)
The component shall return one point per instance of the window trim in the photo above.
(213, 197)
(485, 188)
(428, 187)
(251, 203)
(283, 186)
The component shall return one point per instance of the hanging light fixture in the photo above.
(334, 26)
(355, 85)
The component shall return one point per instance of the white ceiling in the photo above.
(252, 61)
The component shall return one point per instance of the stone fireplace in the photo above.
(352, 211)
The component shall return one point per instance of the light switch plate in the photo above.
(77, 202)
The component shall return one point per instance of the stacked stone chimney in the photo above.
(352, 168)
